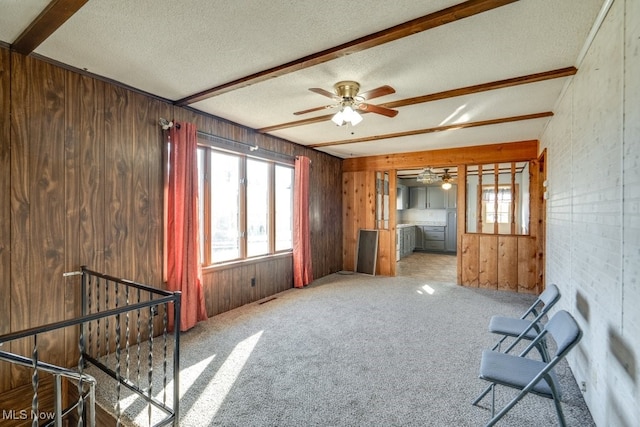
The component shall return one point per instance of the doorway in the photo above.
(423, 200)
(436, 267)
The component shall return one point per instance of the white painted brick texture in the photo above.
(593, 214)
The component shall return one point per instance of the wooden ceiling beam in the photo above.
(515, 151)
(435, 129)
(483, 87)
(432, 20)
(468, 90)
(50, 19)
(296, 123)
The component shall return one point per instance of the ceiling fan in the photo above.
(447, 179)
(429, 176)
(349, 102)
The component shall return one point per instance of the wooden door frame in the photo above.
(542, 226)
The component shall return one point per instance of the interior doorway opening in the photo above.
(434, 267)
(426, 223)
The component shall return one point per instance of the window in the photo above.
(503, 215)
(224, 209)
(498, 198)
(382, 200)
(257, 207)
(284, 208)
(246, 206)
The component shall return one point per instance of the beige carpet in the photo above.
(353, 350)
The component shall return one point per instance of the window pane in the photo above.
(512, 197)
(257, 207)
(284, 208)
(225, 207)
(201, 156)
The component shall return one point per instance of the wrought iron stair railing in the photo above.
(58, 373)
(116, 333)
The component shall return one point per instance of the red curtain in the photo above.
(184, 272)
(302, 273)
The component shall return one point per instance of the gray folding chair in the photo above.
(524, 328)
(529, 375)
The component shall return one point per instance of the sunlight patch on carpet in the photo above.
(427, 289)
(188, 376)
(216, 391)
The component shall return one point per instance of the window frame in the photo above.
(205, 236)
(514, 176)
(489, 206)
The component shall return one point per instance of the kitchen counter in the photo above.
(429, 223)
(404, 225)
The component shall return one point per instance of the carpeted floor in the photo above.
(353, 350)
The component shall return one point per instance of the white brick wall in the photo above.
(593, 214)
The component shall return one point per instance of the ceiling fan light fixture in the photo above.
(355, 118)
(427, 176)
(338, 118)
(346, 115)
(345, 93)
(446, 180)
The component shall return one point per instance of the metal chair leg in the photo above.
(493, 399)
(483, 394)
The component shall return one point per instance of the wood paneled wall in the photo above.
(491, 153)
(499, 262)
(85, 189)
(5, 208)
(491, 261)
(229, 288)
(81, 184)
(359, 212)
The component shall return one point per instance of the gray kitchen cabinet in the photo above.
(432, 197)
(433, 237)
(419, 237)
(452, 197)
(450, 235)
(418, 197)
(405, 241)
(402, 197)
(409, 237)
(436, 197)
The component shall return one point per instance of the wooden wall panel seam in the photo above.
(5, 207)
(84, 187)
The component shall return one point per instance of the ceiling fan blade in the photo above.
(380, 91)
(323, 92)
(371, 108)
(311, 110)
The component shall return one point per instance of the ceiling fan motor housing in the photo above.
(347, 89)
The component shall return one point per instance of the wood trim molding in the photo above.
(435, 129)
(516, 151)
(432, 20)
(452, 93)
(50, 19)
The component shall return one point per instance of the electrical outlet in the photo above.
(253, 282)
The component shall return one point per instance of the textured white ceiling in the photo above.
(16, 15)
(175, 49)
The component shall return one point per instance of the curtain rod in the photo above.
(166, 124)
